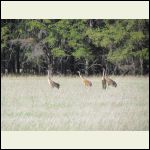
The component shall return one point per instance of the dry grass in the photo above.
(28, 103)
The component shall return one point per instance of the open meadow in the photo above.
(29, 103)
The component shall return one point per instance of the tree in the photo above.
(66, 46)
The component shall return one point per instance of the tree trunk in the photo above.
(17, 61)
(133, 65)
(86, 67)
(91, 23)
(61, 63)
(49, 62)
(12, 65)
(114, 70)
(141, 66)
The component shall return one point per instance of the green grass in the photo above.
(28, 103)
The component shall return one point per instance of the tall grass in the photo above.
(28, 103)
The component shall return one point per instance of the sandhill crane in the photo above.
(85, 81)
(51, 82)
(103, 80)
(110, 81)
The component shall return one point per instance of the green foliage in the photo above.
(144, 54)
(57, 52)
(51, 40)
(95, 35)
(114, 41)
(83, 53)
(35, 24)
(73, 43)
(119, 55)
(126, 41)
(136, 36)
(4, 36)
(4, 31)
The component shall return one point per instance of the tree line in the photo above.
(64, 46)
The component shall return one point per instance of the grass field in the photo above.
(28, 103)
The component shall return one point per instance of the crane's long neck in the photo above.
(103, 72)
(49, 78)
(81, 76)
(49, 75)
